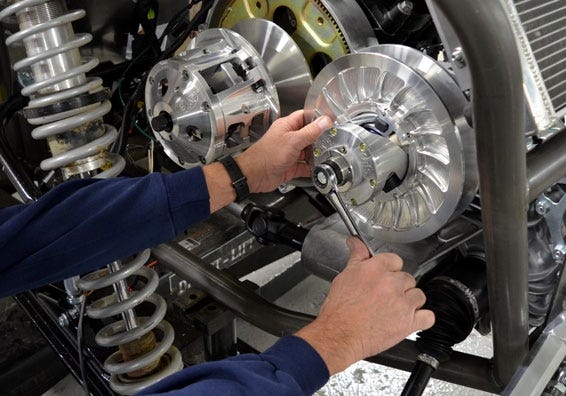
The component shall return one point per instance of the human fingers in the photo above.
(295, 120)
(423, 319)
(416, 297)
(407, 281)
(308, 134)
(358, 251)
(390, 261)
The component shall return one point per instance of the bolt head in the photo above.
(559, 253)
(542, 207)
(372, 183)
(317, 152)
(343, 150)
(63, 320)
(333, 132)
(363, 147)
(458, 58)
(321, 178)
(354, 202)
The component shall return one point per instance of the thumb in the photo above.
(309, 133)
(358, 251)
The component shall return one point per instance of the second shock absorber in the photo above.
(141, 360)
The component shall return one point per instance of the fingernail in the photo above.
(350, 243)
(324, 122)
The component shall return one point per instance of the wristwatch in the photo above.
(239, 181)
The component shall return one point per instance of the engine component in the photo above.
(269, 225)
(67, 106)
(324, 30)
(458, 300)
(400, 139)
(221, 95)
(141, 360)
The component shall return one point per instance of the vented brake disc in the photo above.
(324, 30)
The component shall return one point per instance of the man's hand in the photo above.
(279, 155)
(371, 306)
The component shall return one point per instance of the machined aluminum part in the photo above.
(324, 30)
(422, 108)
(54, 72)
(282, 57)
(541, 38)
(218, 96)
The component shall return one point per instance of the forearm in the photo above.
(84, 224)
(290, 367)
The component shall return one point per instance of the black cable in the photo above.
(129, 109)
(80, 346)
(417, 382)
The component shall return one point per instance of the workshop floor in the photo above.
(361, 379)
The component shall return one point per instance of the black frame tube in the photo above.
(65, 345)
(488, 42)
(546, 164)
(230, 292)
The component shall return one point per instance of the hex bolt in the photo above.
(372, 183)
(63, 320)
(458, 57)
(542, 207)
(559, 253)
(406, 7)
(317, 152)
(321, 178)
(363, 147)
(333, 131)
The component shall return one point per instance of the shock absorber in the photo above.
(65, 105)
(141, 359)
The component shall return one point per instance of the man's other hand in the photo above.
(371, 306)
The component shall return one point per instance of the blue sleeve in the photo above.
(290, 367)
(84, 224)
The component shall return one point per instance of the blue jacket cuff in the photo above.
(299, 359)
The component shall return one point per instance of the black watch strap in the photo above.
(239, 181)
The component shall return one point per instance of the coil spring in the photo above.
(159, 362)
(62, 98)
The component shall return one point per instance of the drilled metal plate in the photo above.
(409, 90)
(324, 30)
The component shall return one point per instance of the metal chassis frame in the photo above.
(496, 77)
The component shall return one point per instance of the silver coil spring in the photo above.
(53, 72)
(163, 359)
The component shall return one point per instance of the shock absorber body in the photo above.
(65, 105)
(141, 360)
